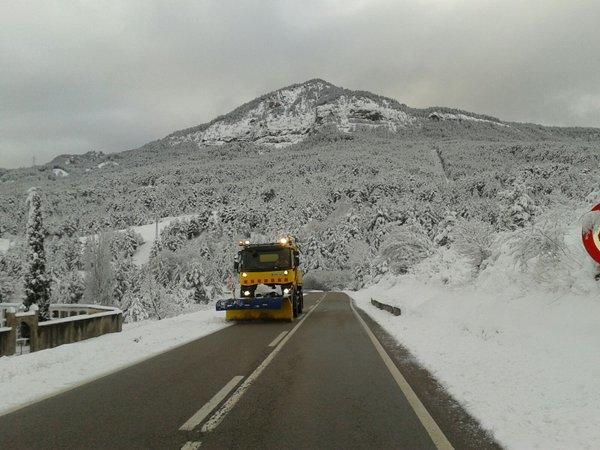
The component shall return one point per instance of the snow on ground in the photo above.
(107, 163)
(31, 377)
(4, 245)
(520, 355)
(60, 173)
(461, 117)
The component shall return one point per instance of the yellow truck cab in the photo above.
(270, 281)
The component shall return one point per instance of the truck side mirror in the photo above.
(236, 265)
(296, 260)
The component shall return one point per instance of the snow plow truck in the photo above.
(270, 280)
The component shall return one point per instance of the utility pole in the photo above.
(156, 230)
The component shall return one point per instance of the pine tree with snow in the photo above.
(37, 281)
(135, 309)
(195, 279)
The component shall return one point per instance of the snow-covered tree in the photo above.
(196, 280)
(6, 287)
(443, 235)
(134, 309)
(37, 281)
(127, 279)
(99, 276)
(68, 288)
(517, 208)
(405, 247)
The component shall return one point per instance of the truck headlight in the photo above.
(286, 291)
(246, 293)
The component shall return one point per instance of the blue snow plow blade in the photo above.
(250, 303)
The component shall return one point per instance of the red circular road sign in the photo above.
(590, 234)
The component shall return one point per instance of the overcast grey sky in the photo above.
(78, 76)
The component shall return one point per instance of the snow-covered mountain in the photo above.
(288, 115)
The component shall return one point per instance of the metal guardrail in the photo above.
(389, 308)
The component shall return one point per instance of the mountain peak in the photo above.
(287, 115)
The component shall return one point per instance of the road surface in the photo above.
(323, 381)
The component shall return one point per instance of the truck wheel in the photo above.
(295, 305)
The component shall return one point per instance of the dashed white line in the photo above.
(220, 414)
(191, 445)
(277, 339)
(203, 412)
(432, 428)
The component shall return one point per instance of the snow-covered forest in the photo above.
(362, 205)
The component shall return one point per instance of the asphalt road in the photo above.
(318, 382)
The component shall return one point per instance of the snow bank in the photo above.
(4, 245)
(28, 378)
(60, 173)
(519, 353)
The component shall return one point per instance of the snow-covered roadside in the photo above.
(525, 363)
(27, 378)
(4, 245)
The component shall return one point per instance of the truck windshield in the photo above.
(263, 259)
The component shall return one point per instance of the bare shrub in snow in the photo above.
(473, 239)
(544, 242)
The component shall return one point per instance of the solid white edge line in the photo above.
(203, 412)
(277, 339)
(189, 445)
(432, 428)
(220, 414)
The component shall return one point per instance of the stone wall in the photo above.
(78, 328)
(76, 323)
(7, 341)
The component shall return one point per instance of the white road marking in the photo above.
(436, 434)
(191, 445)
(218, 416)
(105, 374)
(277, 339)
(203, 412)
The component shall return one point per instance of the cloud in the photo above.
(109, 76)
